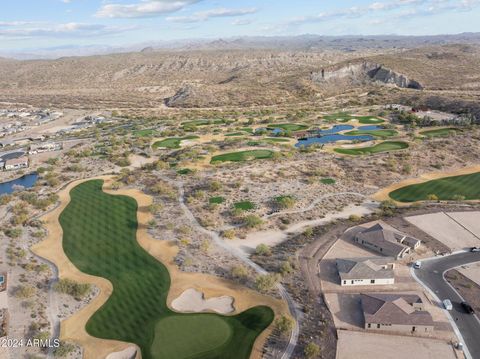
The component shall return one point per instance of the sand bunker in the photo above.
(193, 301)
(129, 353)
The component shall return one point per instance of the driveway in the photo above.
(431, 275)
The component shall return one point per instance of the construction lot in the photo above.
(358, 345)
(457, 230)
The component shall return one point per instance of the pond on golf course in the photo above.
(336, 129)
(370, 128)
(331, 139)
(26, 181)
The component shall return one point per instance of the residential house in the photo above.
(387, 240)
(366, 271)
(396, 313)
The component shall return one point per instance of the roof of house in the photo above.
(16, 161)
(365, 268)
(394, 309)
(385, 237)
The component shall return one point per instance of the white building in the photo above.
(366, 271)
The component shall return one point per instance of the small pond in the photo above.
(336, 129)
(26, 181)
(371, 128)
(332, 138)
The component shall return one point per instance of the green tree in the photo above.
(252, 221)
(263, 250)
(284, 324)
(312, 350)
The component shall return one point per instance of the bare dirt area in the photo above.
(358, 345)
(446, 229)
(466, 287)
(471, 271)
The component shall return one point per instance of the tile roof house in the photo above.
(387, 240)
(396, 313)
(366, 271)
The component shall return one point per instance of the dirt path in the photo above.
(241, 256)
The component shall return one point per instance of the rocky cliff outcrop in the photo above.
(362, 72)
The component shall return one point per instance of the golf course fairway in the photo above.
(99, 238)
(447, 188)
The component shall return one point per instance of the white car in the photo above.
(447, 304)
(417, 265)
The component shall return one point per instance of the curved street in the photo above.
(431, 276)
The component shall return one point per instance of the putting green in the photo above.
(447, 188)
(440, 132)
(173, 142)
(99, 238)
(242, 156)
(376, 133)
(288, 126)
(345, 117)
(381, 147)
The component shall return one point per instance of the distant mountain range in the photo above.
(303, 42)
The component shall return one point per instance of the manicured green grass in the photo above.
(288, 126)
(327, 181)
(275, 139)
(247, 129)
(205, 122)
(216, 200)
(184, 171)
(144, 133)
(376, 133)
(242, 156)
(245, 205)
(345, 117)
(440, 132)
(381, 147)
(173, 142)
(448, 188)
(99, 237)
(232, 134)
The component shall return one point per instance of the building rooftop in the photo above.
(365, 268)
(400, 309)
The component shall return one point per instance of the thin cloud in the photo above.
(411, 7)
(145, 8)
(72, 29)
(205, 15)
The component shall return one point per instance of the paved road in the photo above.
(431, 275)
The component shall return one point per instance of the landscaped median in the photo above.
(106, 246)
(378, 148)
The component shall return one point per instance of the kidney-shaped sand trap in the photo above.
(193, 301)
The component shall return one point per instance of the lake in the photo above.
(26, 181)
(332, 138)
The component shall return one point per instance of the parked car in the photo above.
(467, 308)
(447, 304)
(475, 249)
(417, 265)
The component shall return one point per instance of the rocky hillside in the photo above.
(218, 78)
(361, 72)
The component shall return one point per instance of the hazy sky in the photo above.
(51, 23)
